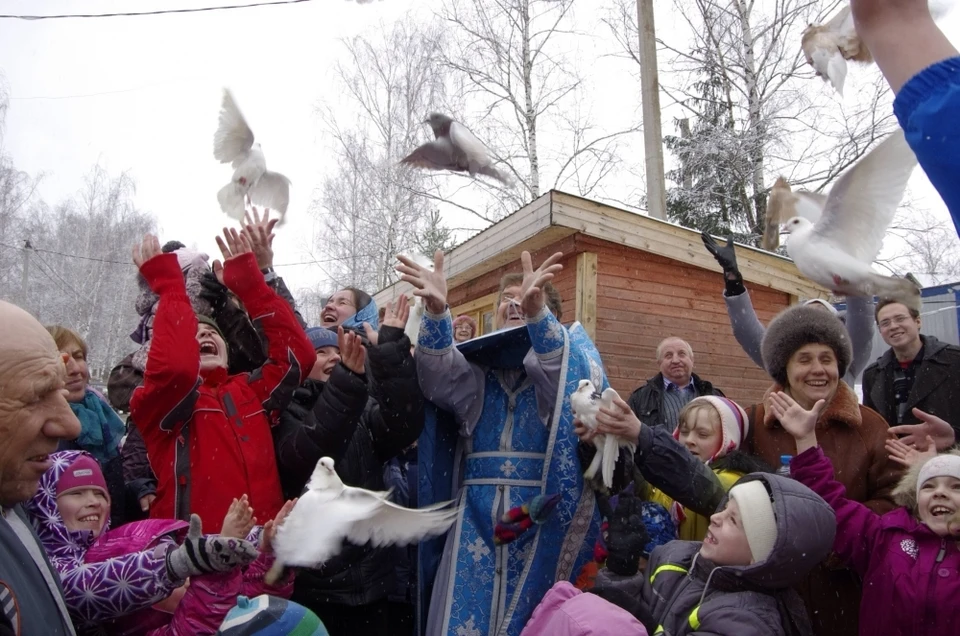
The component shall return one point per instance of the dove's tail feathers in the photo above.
(900, 289)
(594, 466)
(499, 175)
(231, 198)
(611, 451)
(275, 573)
(837, 72)
(412, 328)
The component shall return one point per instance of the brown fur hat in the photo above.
(800, 325)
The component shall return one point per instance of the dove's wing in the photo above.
(862, 204)
(433, 155)
(316, 527)
(468, 143)
(808, 205)
(272, 191)
(233, 138)
(607, 397)
(842, 21)
(395, 525)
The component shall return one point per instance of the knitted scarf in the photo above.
(100, 428)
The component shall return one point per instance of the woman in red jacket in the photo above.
(208, 433)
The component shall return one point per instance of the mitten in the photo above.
(200, 554)
(726, 257)
(518, 520)
(214, 292)
(627, 535)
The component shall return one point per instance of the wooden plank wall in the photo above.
(643, 298)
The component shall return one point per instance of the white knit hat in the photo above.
(821, 301)
(734, 424)
(756, 514)
(939, 466)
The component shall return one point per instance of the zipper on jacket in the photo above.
(943, 550)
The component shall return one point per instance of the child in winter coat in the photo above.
(767, 536)
(207, 433)
(134, 580)
(908, 558)
(711, 428)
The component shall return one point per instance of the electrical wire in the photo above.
(142, 13)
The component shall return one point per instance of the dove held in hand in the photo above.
(586, 403)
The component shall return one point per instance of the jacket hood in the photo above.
(45, 516)
(806, 526)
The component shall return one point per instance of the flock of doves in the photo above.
(833, 239)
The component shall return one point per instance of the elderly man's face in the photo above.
(34, 414)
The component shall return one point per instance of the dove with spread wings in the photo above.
(586, 402)
(829, 45)
(838, 250)
(455, 148)
(233, 143)
(330, 512)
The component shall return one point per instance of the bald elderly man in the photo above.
(34, 417)
(659, 401)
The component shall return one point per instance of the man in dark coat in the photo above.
(659, 401)
(917, 371)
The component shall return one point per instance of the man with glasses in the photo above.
(917, 372)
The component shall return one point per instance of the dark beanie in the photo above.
(171, 246)
(207, 320)
(798, 326)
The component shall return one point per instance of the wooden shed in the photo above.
(631, 280)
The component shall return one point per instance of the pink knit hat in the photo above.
(83, 473)
(734, 423)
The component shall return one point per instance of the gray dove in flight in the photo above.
(828, 46)
(233, 143)
(329, 512)
(838, 250)
(454, 148)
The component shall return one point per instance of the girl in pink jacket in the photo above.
(157, 577)
(908, 558)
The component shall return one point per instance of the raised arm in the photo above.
(165, 399)
(290, 356)
(860, 326)
(545, 358)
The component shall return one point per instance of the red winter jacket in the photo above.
(208, 437)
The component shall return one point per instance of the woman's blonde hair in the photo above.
(905, 494)
(693, 407)
(64, 336)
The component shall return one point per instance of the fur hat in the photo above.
(734, 424)
(757, 517)
(797, 326)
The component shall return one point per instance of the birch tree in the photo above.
(751, 109)
(372, 208)
(513, 63)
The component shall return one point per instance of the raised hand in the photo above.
(239, 520)
(232, 244)
(930, 426)
(908, 455)
(620, 421)
(259, 232)
(270, 527)
(352, 353)
(146, 249)
(726, 255)
(431, 286)
(397, 313)
(531, 289)
(796, 420)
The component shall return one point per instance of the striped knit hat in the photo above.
(734, 424)
(271, 616)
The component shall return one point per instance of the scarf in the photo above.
(369, 314)
(100, 428)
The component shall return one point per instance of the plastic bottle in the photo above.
(784, 465)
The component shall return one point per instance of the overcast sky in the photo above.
(142, 94)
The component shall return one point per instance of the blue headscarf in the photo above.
(369, 314)
(100, 428)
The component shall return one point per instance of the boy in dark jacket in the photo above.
(361, 406)
(208, 433)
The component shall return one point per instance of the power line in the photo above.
(157, 12)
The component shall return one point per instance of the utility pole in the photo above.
(25, 276)
(650, 96)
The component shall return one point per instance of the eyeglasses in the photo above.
(886, 322)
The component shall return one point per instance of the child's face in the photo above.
(213, 351)
(938, 501)
(84, 509)
(726, 542)
(327, 359)
(701, 436)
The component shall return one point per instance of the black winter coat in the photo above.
(647, 401)
(936, 386)
(361, 425)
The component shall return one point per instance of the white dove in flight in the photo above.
(233, 143)
(330, 512)
(586, 402)
(783, 205)
(828, 46)
(837, 251)
(455, 148)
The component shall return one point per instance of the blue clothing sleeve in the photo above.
(928, 109)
